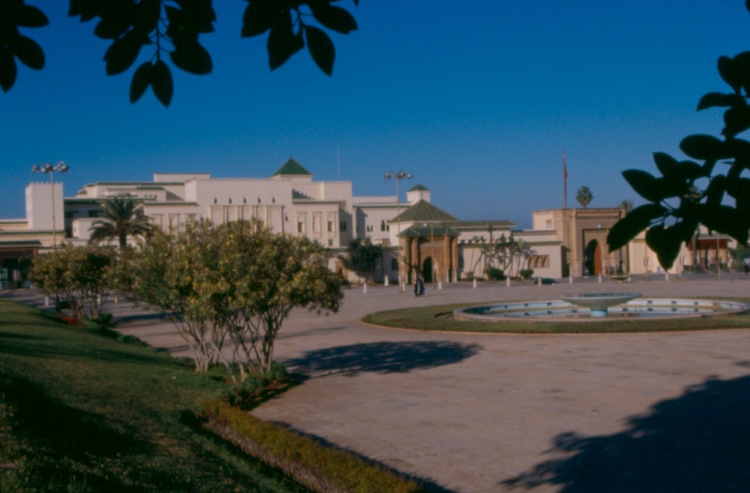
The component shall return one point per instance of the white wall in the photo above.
(39, 206)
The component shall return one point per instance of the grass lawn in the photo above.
(437, 318)
(81, 412)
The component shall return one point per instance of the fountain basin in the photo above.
(634, 310)
(599, 303)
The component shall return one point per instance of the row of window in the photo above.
(244, 200)
(369, 228)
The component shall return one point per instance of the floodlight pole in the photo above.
(398, 177)
(48, 168)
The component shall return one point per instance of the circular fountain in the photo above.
(599, 303)
(600, 306)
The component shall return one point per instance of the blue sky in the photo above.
(476, 99)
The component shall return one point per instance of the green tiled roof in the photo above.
(423, 211)
(416, 188)
(427, 232)
(291, 167)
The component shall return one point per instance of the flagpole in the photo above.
(565, 182)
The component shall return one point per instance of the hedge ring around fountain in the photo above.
(600, 307)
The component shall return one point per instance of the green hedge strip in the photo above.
(319, 468)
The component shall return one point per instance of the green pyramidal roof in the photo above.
(291, 167)
(423, 211)
(419, 188)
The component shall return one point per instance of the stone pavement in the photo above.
(495, 412)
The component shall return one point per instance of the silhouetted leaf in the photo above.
(742, 67)
(739, 187)
(192, 58)
(141, 81)
(665, 243)
(112, 27)
(321, 48)
(30, 16)
(282, 41)
(195, 16)
(737, 148)
(728, 72)
(644, 184)
(726, 220)
(161, 82)
(736, 120)
(666, 164)
(631, 225)
(703, 147)
(335, 18)
(86, 9)
(715, 191)
(684, 230)
(718, 99)
(258, 17)
(8, 70)
(122, 54)
(29, 53)
(690, 170)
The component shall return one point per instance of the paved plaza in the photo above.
(493, 412)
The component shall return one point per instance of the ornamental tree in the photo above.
(261, 278)
(168, 275)
(79, 276)
(362, 257)
(233, 284)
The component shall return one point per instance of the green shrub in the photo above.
(526, 273)
(334, 468)
(494, 274)
(253, 390)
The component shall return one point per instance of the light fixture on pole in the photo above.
(48, 168)
(398, 177)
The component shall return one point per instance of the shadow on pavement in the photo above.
(695, 443)
(382, 357)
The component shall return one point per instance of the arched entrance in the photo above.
(427, 270)
(593, 260)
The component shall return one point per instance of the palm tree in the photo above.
(122, 217)
(584, 196)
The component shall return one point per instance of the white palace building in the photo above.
(431, 241)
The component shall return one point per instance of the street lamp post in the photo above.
(48, 168)
(398, 177)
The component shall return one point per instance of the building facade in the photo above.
(419, 238)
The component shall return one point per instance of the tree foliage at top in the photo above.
(122, 218)
(710, 188)
(169, 31)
